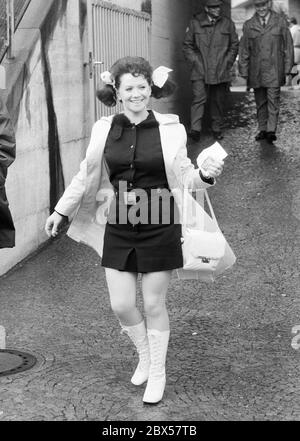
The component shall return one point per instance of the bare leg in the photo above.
(154, 287)
(122, 292)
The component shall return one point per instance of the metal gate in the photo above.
(114, 32)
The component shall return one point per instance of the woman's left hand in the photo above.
(212, 168)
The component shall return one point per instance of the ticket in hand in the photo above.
(215, 151)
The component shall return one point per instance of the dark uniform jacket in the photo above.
(211, 49)
(266, 54)
(7, 156)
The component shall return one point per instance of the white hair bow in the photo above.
(160, 76)
(107, 78)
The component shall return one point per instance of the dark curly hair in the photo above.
(137, 66)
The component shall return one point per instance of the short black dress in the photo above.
(146, 236)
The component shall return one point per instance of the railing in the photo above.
(11, 13)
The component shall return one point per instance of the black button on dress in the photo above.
(145, 237)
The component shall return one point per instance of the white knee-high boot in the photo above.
(158, 342)
(138, 335)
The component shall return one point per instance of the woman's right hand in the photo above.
(53, 223)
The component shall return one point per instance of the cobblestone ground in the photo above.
(230, 354)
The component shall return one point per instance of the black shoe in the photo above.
(217, 135)
(261, 135)
(270, 137)
(194, 134)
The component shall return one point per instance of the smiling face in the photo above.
(135, 94)
(262, 7)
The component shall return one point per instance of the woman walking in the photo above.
(126, 203)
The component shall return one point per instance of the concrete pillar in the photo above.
(170, 19)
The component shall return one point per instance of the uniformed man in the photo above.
(210, 46)
(265, 58)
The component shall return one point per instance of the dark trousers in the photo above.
(211, 95)
(267, 105)
(7, 229)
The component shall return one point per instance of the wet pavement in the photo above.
(230, 356)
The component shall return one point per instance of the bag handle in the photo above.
(211, 208)
(184, 209)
